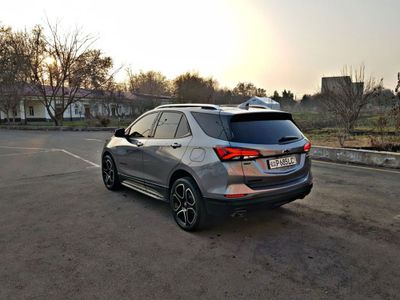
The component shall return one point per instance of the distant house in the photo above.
(339, 84)
(90, 104)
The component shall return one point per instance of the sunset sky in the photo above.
(274, 44)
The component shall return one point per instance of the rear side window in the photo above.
(183, 128)
(212, 125)
(265, 131)
(167, 125)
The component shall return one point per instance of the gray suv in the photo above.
(208, 159)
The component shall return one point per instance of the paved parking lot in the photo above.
(63, 235)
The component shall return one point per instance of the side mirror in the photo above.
(120, 132)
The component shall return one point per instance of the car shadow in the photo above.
(249, 221)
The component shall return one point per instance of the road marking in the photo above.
(92, 167)
(96, 140)
(51, 150)
(25, 148)
(81, 158)
(353, 166)
(26, 153)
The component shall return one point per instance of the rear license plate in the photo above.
(282, 162)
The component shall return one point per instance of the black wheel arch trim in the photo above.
(185, 169)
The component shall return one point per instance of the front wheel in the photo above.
(187, 204)
(110, 173)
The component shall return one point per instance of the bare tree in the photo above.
(151, 83)
(65, 68)
(191, 87)
(149, 87)
(346, 95)
(248, 89)
(13, 70)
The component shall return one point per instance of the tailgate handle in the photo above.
(176, 145)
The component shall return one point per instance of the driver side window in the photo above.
(142, 128)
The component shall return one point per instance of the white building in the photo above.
(31, 107)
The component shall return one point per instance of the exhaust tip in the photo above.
(239, 213)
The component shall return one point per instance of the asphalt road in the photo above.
(64, 236)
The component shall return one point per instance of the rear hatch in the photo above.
(280, 145)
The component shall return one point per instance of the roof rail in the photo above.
(183, 105)
(229, 105)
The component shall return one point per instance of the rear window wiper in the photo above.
(288, 138)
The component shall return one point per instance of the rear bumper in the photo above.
(265, 200)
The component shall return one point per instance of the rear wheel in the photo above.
(187, 204)
(110, 173)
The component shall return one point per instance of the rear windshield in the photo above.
(264, 130)
(257, 128)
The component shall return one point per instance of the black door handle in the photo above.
(139, 144)
(176, 145)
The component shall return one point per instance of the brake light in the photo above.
(232, 153)
(307, 147)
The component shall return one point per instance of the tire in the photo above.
(109, 173)
(187, 205)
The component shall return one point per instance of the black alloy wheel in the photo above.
(109, 173)
(187, 204)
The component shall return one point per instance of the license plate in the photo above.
(282, 162)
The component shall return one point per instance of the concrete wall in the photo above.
(363, 157)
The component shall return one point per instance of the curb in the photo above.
(357, 156)
(58, 128)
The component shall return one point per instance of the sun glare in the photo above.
(49, 60)
(224, 39)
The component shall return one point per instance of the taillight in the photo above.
(307, 147)
(232, 153)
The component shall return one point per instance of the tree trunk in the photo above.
(60, 118)
(342, 139)
(25, 120)
(52, 116)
